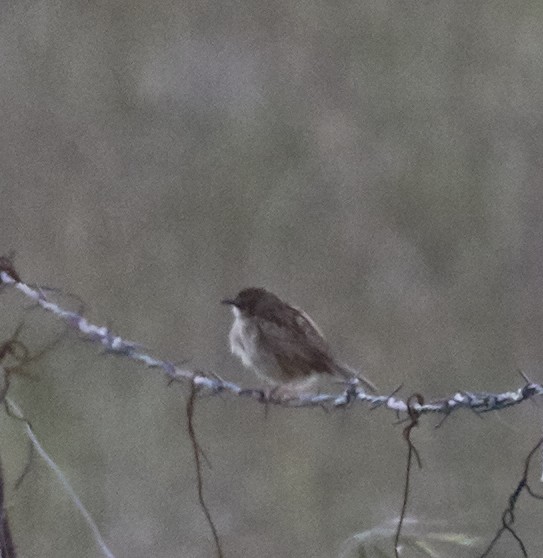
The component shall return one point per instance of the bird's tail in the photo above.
(350, 374)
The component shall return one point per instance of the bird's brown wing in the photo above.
(296, 342)
(299, 347)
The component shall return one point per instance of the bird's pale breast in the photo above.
(245, 343)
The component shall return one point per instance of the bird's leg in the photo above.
(292, 390)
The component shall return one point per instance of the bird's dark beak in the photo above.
(230, 301)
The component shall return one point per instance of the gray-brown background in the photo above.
(377, 162)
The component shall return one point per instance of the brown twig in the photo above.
(508, 516)
(412, 451)
(197, 452)
(7, 548)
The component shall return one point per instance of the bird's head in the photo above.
(249, 301)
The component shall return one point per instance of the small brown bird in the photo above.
(281, 343)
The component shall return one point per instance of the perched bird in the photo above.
(281, 343)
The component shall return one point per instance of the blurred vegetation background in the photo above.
(378, 163)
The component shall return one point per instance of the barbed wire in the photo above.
(212, 384)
